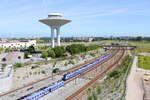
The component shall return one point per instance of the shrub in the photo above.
(4, 65)
(71, 62)
(7, 50)
(89, 97)
(59, 51)
(51, 53)
(79, 48)
(76, 48)
(26, 53)
(114, 74)
(94, 96)
(43, 72)
(31, 49)
(98, 90)
(44, 55)
(18, 65)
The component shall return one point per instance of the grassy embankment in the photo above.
(144, 62)
(142, 46)
(72, 49)
(113, 87)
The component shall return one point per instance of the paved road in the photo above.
(134, 84)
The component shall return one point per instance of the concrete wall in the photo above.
(6, 79)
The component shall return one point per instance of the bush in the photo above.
(89, 97)
(44, 55)
(71, 62)
(7, 50)
(114, 74)
(94, 96)
(76, 48)
(98, 90)
(51, 53)
(4, 65)
(91, 47)
(79, 48)
(26, 53)
(18, 65)
(1, 49)
(59, 51)
(43, 72)
(31, 49)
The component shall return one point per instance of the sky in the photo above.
(19, 18)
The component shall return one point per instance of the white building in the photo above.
(17, 44)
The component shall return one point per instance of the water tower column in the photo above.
(52, 37)
(58, 36)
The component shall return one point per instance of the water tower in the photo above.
(55, 21)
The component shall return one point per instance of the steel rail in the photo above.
(94, 66)
(91, 69)
(69, 70)
(94, 80)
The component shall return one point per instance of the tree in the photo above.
(76, 48)
(26, 53)
(4, 65)
(89, 97)
(44, 55)
(7, 50)
(98, 89)
(1, 49)
(139, 38)
(59, 51)
(18, 65)
(94, 96)
(51, 53)
(31, 49)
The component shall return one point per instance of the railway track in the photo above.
(60, 73)
(85, 73)
(83, 89)
(68, 80)
(91, 69)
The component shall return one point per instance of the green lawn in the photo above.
(144, 62)
(141, 44)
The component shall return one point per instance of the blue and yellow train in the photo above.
(44, 91)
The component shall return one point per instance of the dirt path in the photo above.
(134, 84)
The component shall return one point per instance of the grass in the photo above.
(53, 60)
(141, 44)
(144, 62)
(142, 47)
(112, 85)
(144, 50)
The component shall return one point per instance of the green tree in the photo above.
(76, 48)
(44, 55)
(98, 89)
(18, 65)
(139, 38)
(89, 97)
(51, 53)
(7, 50)
(95, 97)
(26, 53)
(1, 49)
(31, 49)
(4, 65)
(59, 51)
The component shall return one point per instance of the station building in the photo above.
(17, 43)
